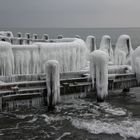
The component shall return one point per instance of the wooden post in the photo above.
(27, 36)
(52, 83)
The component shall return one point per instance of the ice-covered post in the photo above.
(45, 37)
(53, 83)
(60, 36)
(91, 43)
(27, 36)
(20, 40)
(19, 35)
(99, 71)
(35, 36)
(78, 36)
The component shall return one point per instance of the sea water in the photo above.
(79, 119)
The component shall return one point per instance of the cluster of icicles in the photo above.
(71, 54)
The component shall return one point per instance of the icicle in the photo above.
(99, 70)
(6, 59)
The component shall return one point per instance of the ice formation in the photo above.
(91, 43)
(26, 59)
(106, 46)
(136, 62)
(52, 82)
(70, 53)
(123, 50)
(30, 59)
(6, 59)
(6, 34)
(99, 70)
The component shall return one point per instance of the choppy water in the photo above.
(79, 119)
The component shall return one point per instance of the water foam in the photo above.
(128, 128)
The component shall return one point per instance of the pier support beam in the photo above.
(99, 71)
(52, 83)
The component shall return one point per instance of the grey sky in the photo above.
(69, 13)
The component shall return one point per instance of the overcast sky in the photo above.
(69, 13)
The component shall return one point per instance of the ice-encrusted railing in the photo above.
(71, 53)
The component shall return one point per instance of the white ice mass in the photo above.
(123, 50)
(99, 69)
(71, 53)
(106, 46)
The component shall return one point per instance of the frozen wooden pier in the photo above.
(32, 88)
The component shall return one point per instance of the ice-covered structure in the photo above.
(136, 62)
(6, 59)
(99, 69)
(26, 59)
(6, 34)
(71, 53)
(91, 43)
(53, 83)
(106, 46)
(123, 51)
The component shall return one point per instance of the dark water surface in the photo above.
(76, 119)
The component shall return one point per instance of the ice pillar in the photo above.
(53, 83)
(99, 71)
(91, 43)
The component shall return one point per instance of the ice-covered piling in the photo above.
(106, 46)
(19, 35)
(136, 63)
(45, 37)
(35, 36)
(123, 51)
(99, 70)
(53, 83)
(91, 43)
(60, 36)
(28, 37)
